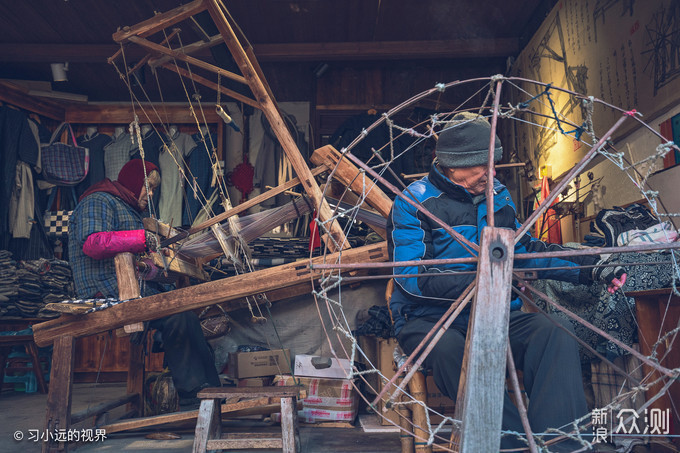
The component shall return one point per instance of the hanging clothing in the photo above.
(375, 140)
(172, 165)
(17, 142)
(152, 144)
(41, 135)
(21, 203)
(97, 172)
(200, 175)
(272, 167)
(548, 226)
(116, 154)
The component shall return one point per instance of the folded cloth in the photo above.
(612, 222)
(660, 233)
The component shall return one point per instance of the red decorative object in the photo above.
(242, 178)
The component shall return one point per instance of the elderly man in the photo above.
(454, 191)
(108, 221)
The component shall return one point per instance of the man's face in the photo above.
(143, 200)
(472, 178)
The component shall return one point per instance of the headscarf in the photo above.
(132, 175)
(129, 184)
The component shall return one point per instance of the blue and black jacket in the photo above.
(414, 236)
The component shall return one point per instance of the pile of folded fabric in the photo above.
(41, 282)
(8, 285)
(632, 225)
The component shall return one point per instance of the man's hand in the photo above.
(617, 283)
(614, 276)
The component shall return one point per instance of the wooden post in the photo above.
(128, 288)
(418, 390)
(270, 110)
(486, 344)
(208, 424)
(348, 173)
(32, 350)
(59, 397)
(405, 418)
(289, 432)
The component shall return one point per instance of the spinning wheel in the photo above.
(551, 115)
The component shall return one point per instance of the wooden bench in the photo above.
(209, 435)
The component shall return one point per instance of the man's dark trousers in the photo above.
(546, 354)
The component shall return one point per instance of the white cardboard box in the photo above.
(339, 368)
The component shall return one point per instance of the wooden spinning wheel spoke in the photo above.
(491, 288)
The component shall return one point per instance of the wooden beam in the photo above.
(19, 97)
(189, 49)
(58, 414)
(179, 265)
(278, 52)
(160, 21)
(205, 82)
(163, 419)
(389, 50)
(280, 129)
(487, 343)
(202, 295)
(229, 410)
(99, 409)
(191, 60)
(122, 114)
(147, 57)
(73, 53)
(346, 172)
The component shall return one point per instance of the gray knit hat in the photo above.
(465, 142)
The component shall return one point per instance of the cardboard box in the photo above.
(259, 364)
(386, 366)
(438, 402)
(339, 368)
(328, 400)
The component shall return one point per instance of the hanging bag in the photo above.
(56, 222)
(64, 164)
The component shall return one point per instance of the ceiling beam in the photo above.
(288, 52)
(19, 97)
(388, 50)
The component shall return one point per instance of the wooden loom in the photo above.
(278, 282)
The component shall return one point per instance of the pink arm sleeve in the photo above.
(108, 244)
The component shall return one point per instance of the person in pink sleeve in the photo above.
(108, 221)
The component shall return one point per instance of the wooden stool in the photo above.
(208, 426)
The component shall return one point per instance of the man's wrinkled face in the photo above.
(471, 178)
